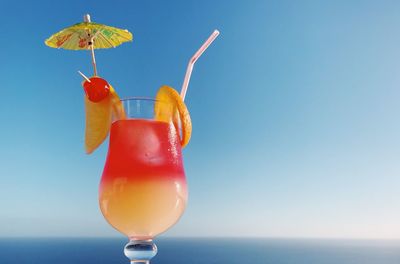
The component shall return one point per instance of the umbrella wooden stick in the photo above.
(93, 59)
(86, 18)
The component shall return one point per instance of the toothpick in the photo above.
(84, 76)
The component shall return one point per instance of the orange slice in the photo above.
(99, 116)
(117, 106)
(170, 107)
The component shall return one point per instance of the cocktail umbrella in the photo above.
(89, 36)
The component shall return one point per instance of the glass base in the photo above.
(140, 251)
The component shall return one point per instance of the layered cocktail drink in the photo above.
(143, 188)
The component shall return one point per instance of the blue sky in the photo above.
(295, 115)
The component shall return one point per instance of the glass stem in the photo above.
(140, 251)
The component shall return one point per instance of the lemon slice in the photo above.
(169, 107)
(99, 117)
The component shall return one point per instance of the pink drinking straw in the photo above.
(198, 53)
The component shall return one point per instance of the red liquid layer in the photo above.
(143, 188)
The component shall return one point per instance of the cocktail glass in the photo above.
(143, 189)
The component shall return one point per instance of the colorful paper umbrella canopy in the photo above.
(89, 36)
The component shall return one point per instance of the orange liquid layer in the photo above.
(143, 189)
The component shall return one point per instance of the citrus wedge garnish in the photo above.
(169, 107)
(118, 111)
(98, 122)
(99, 116)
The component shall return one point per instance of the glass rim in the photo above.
(138, 98)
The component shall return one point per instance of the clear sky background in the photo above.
(295, 111)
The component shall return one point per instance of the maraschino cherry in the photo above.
(97, 89)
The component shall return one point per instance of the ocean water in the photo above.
(201, 250)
